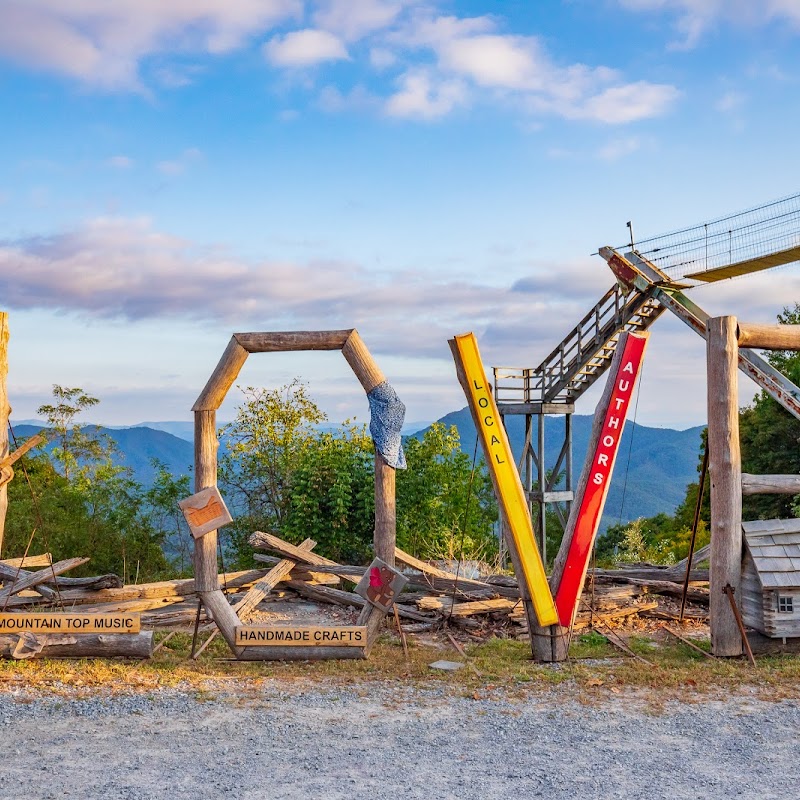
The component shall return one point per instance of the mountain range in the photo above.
(653, 467)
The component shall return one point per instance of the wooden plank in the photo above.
(504, 474)
(766, 526)
(451, 609)
(725, 468)
(30, 579)
(43, 560)
(69, 623)
(385, 533)
(301, 636)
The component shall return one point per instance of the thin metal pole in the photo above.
(729, 590)
(695, 523)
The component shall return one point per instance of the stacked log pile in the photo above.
(434, 598)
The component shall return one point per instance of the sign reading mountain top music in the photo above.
(301, 636)
(505, 476)
(69, 623)
(599, 477)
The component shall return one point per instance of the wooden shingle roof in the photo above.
(774, 545)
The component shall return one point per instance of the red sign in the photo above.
(602, 465)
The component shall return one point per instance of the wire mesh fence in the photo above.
(742, 237)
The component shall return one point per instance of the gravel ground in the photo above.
(285, 742)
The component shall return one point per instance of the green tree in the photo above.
(91, 506)
(445, 504)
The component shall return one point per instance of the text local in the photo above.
(488, 421)
(608, 442)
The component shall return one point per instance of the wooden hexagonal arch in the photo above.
(206, 445)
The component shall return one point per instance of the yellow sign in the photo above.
(506, 478)
(301, 636)
(69, 623)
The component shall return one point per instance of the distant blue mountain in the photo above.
(137, 446)
(653, 467)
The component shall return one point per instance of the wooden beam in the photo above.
(27, 580)
(725, 469)
(102, 645)
(261, 588)
(770, 484)
(769, 337)
(361, 362)
(285, 341)
(222, 377)
(385, 534)
(205, 476)
(5, 410)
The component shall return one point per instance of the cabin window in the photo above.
(785, 604)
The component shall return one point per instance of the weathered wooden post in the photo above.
(5, 410)
(725, 469)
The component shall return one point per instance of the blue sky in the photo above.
(173, 172)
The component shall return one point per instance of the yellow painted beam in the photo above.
(505, 476)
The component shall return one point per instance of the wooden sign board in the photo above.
(205, 511)
(301, 636)
(69, 623)
(381, 584)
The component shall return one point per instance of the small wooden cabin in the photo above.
(770, 599)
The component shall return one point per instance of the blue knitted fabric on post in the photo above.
(386, 415)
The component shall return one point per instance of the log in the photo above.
(770, 484)
(385, 510)
(139, 645)
(362, 363)
(259, 590)
(650, 574)
(28, 580)
(583, 619)
(222, 378)
(768, 337)
(325, 594)
(286, 341)
(205, 462)
(269, 541)
(725, 469)
(451, 609)
(5, 410)
(282, 653)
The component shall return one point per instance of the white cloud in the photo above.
(619, 148)
(305, 48)
(125, 268)
(422, 95)
(730, 101)
(102, 43)
(381, 58)
(353, 19)
(120, 162)
(695, 18)
(492, 65)
(179, 165)
(627, 103)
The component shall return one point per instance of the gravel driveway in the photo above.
(385, 742)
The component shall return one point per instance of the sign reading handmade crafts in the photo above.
(599, 477)
(505, 476)
(69, 623)
(205, 511)
(381, 584)
(301, 636)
